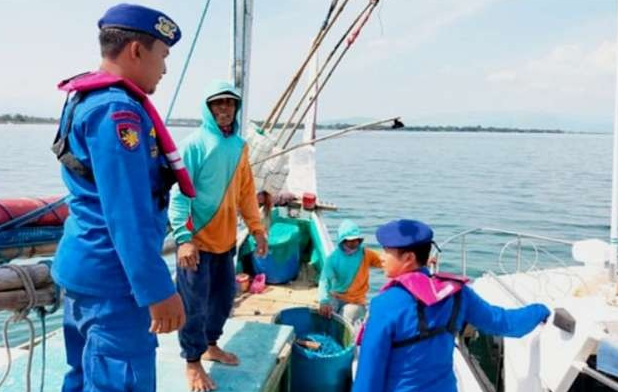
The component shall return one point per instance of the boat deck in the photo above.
(263, 348)
(554, 357)
(262, 307)
(264, 351)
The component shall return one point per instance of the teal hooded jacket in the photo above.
(340, 268)
(219, 167)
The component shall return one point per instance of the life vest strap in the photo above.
(428, 333)
(61, 147)
(62, 150)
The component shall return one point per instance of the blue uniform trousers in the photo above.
(108, 346)
(208, 295)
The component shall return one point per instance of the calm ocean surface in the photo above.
(556, 185)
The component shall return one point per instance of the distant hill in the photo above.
(23, 119)
(442, 123)
(486, 120)
(495, 120)
(519, 120)
(349, 120)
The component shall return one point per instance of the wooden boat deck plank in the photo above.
(262, 348)
(262, 307)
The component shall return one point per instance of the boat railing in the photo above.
(515, 242)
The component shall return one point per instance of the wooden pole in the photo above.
(274, 115)
(314, 81)
(39, 273)
(27, 252)
(312, 100)
(48, 250)
(18, 299)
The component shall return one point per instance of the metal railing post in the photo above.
(518, 253)
(463, 255)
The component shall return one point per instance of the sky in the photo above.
(513, 63)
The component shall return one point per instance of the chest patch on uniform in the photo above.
(126, 115)
(128, 134)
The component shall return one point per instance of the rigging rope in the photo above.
(5, 335)
(42, 313)
(186, 64)
(22, 315)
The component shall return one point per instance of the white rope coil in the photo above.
(22, 315)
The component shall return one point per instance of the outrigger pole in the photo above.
(276, 112)
(360, 127)
(313, 84)
(358, 24)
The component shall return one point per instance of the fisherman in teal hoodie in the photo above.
(344, 281)
(204, 228)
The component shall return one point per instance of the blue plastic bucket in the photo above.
(310, 373)
(282, 263)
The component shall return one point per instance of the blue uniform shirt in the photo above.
(115, 230)
(428, 364)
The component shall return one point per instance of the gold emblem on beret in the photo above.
(166, 27)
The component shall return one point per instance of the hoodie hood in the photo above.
(218, 87)
(348, 230)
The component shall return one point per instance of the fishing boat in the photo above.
(576, 349)
(575, 278)
(259, 330)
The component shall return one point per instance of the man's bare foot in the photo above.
(214, 353)
(198, 379)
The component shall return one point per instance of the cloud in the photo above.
(425, 20)
(502, 76)
(569, 68)
(574, 78)
(604, 57)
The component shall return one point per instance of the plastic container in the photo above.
(332, 373)
(243, 281)
(309, 200)
(258, 285)
(282, 263)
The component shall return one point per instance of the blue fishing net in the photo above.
(328, 346)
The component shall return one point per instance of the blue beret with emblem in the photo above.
(142, 19)
(404, 233)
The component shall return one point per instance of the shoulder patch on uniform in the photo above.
(128, 134)
(126, 115)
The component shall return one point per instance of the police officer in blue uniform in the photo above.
(118, 290)
(407, 346)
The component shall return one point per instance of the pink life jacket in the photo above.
(98, 80)
(428, 291)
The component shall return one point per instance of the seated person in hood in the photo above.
(344, 280)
